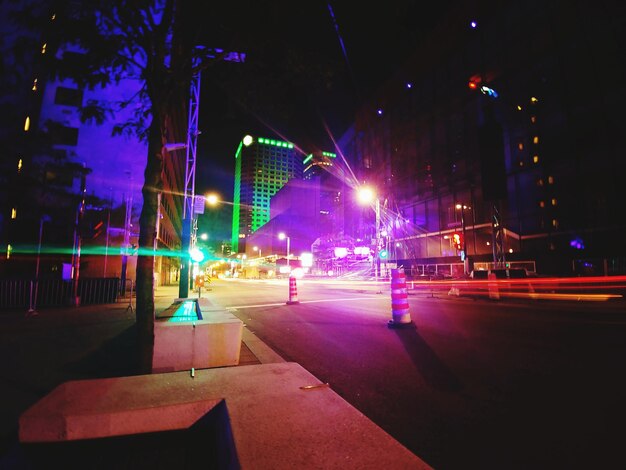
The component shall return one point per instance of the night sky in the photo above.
(306, 70)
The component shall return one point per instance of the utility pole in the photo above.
(75, 300)
(125, 246)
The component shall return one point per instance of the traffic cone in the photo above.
(293, 291)
(401, 316)
(492, 285)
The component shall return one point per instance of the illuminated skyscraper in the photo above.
(262, 167)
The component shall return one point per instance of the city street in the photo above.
(476, 383)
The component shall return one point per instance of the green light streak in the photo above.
(238, 152)
(104, 251)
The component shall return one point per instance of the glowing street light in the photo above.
(256, 248)
(212, 199)
(282, 236)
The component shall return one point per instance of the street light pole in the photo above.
(367, 195)
(377, 251)
(464, 244)
(282, 236)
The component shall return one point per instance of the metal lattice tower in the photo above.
(498, 240)
(190, 222)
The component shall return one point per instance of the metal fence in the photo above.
(529, 266)
(28, 294)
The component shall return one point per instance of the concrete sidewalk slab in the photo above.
(280, 415)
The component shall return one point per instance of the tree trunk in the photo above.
(145, 259)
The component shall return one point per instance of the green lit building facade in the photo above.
(262, 167)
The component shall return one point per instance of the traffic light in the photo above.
(457, 241)
(474, 82)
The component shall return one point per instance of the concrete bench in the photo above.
(194, 334)
(276, 416)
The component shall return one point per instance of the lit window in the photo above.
(540, 182)
(53, 17)
(533, 100)
(9, 250)
(536, 159)
(27, 124)
(520, 146)
(519, 108)
(521, 163)
(14, 213)
(550, 180)
(536, 139)
(555, 223)
(554, 201)
(43, 48)
(542, 204)
(19, 165)
(533, 119)
(34, 88)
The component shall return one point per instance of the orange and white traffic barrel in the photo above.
(293, 291)
(400, 313)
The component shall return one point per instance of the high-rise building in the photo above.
(323, 165)
(69, 183)
(262, 167)
(508, 126)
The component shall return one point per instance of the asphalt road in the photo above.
(476, 384)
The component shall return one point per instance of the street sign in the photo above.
(198, 205)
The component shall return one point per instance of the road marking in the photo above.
(302, 302)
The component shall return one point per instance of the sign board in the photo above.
(198, 205)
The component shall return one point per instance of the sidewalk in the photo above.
(72, 343)
(73, 365)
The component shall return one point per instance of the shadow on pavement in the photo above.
(427, 363)
(208, 443)
(116, 357)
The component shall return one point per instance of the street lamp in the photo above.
(256, 248)
(212, 199)
(462, 208)
(282, 236)
(367, 196)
